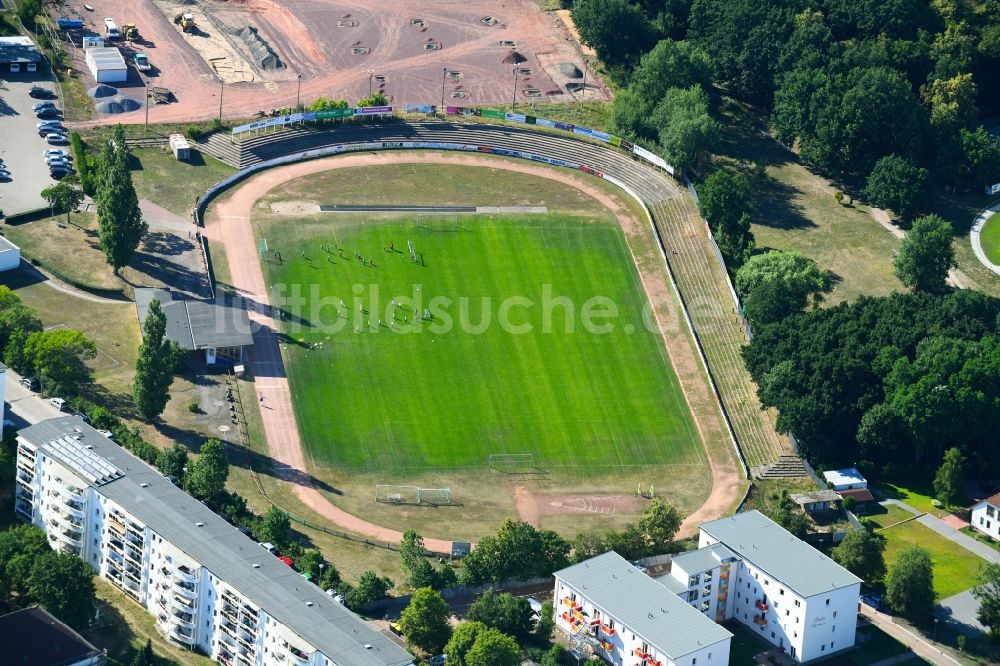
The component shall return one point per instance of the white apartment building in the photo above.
(747, 568)
(986, 516)
(785, 590)
(629, 619)
(210, 587)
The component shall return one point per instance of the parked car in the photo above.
(30, 383)
(57, 159)
(49, 123)
(5, 176)
(59, 404)
(43, 105)
(57, 139)
(41, 93)
(59, 172)
(47, 113)
(57, 152)
(438, 660)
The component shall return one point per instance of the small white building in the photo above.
(10, 255)
(845, 479)
(107, 64)
(627, 618)
(180, 146)
(986, 516)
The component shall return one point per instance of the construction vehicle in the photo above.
(185, 21)
(130, 32)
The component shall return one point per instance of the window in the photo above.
(833, 629)
(822, 648)
(767, 582)
(738, 595)
(781, 591)
(827, 602)
(987, 524)
(694, 661)
(835, 613)
(772, 634)
(692, 581)
(787, 612)
(831, 645)
(797, 602)
(990, 511)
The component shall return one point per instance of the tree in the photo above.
(15, 317)
(411, 550)
(776, 284)
(63, 196)
(28, 11)
(462, 639)
(685, 127)
(897, 184)
(909, 585)
(981, 157)
(206, 476)
(377, 98)
(371, 588)
(926, 254)
(952, 104)
(326, 104)
(424, 621)
(670, 64)
(616, 29)
(987, 591)
(144, 657)
(64, 584)
(58, 358)
(120, 223)
(556, 656)
(172, 461)
(155, 365)
(659, 523)
(725, 204)
(504, 612)
(517, 551)
(950, 478)
(275, 527)
(493, 648)
(546, 623)
(862, 554)
(20, 546)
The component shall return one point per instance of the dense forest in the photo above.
(888, 97)
(847, 82)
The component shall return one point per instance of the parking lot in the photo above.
(21, 148)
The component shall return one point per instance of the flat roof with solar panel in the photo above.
(82, 459)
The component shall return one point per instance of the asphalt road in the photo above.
(23, 407)
(20, 146)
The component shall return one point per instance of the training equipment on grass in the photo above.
(514, 463)
(262, 247)
(414, 496)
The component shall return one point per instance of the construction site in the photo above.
(250, 57)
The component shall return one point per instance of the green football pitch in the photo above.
(376, 388)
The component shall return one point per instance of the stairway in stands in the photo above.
(787, 466)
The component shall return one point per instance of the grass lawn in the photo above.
(794, 209)
(173, 184)
(874, 645)
(979, 536)
(125, 626)
(919, 496)
(962, 210)
(888, 516)
(438, 395)
(989, 235)
(955, 568)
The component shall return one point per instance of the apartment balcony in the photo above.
(117, 547)
(72, 537)
(186, 592)
(569, 602)
(608, 631)
(182, 636)
(134, 539)
(761, 605)
(246, 637)
(24, 475)
(185, 575)
(73, 508)
(70, 492)
(24, 509)
(27, 453)
(117, 528)
(225, 657)
(182, 620)
(134, 555)
(69, 519)
(295, 655)
(181, 604)
(227, 639)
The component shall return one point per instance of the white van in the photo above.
(111, 29)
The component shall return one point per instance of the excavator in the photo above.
(130, 32)
(185, 21)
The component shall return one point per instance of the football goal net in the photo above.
(514, 463)
(413, 495)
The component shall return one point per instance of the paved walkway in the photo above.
(955, 277)
(915, 642)
(977, 245)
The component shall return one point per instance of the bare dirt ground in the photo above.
(228, 222)
(337, 45)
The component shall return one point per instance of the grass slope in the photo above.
(392, 401)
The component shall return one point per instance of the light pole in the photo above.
(444, 78)
(583, 91)
(935, 629)
(321, 565)
(298, 89)
(371, 74)
(513, 98)
(145, 87)
(222, 90)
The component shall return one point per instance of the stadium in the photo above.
(399, 423)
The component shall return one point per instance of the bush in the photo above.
(194, 132)
(193, 407)
(84, 168)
